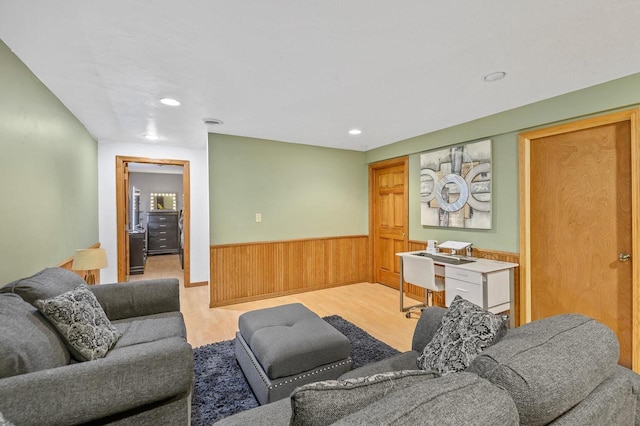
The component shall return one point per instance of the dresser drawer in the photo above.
(172, 238)
(170, 235)
(163, 232)
(162, 244)
(469, 291)
(463, 275)
(161, 225)
(162, 218)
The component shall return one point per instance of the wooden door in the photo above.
(127, 220)
(388, 185)
(579, 220)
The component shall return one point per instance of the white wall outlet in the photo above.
(258, 217)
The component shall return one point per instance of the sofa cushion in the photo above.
(274, 413)
(323, 403)
(45, 284)
(454, 399)
(81, 321)
(28, 343)
(465, 330)
(150, 328)
(550, 365)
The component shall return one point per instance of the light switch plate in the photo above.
(258, 217)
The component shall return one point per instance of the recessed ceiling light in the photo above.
(494, 76)
(152, 137)
(212, 121)
(170, 102)
(355, 131)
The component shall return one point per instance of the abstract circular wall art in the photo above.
(455, 186)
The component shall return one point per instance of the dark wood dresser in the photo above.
(163, 235)
(137, 251)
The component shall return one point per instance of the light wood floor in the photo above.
(372, 307)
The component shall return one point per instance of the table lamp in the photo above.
(89, 260)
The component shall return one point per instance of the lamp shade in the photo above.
(89, 259)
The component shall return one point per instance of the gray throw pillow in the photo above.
(465, 330)
(82, 323)
(323, 403)
(47, 283)
(28, 343)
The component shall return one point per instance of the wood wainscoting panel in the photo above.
(249, 271)
(417, 293)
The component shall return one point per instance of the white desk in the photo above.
(484, 282)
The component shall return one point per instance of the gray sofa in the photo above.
(561, 370)
(146, 378)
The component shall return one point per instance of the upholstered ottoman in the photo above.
(287, 346)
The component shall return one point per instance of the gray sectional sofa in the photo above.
(561, 370)
(145, 378)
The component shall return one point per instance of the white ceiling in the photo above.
(308, 71)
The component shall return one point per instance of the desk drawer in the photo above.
(463, 275)
(469, 291)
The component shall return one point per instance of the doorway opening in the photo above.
(180, 254)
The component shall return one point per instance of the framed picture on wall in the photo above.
(455, 186)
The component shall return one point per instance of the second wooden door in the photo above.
(580, 237)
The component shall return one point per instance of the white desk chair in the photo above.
(418, 270)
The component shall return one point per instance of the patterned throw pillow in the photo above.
(464, 332)
(82, 322)
(326, 402)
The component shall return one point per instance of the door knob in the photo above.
(624, 257)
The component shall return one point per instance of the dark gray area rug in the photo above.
(221, 389)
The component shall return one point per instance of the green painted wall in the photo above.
(48, 175)
(302, 191)
(503, 129)
(305, 191)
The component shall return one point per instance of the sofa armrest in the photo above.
(634, 378)
(402, 361)
(138, 298)
(77, 393)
